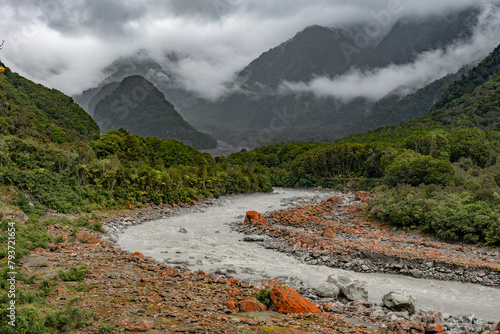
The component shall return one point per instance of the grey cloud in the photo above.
(66, 44)
(403, 79)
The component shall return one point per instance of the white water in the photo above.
(209, 244)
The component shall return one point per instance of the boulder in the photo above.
(339, 280)
(254, 217)
(252, 305)
(287, 300)
(355, 290)
(17, 216)
(400, 301)
(328, 290)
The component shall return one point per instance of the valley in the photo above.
(241, 167)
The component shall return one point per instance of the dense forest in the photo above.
(439, 173)
(53, 158)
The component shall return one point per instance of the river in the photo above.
(207, 243)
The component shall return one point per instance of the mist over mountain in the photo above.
(162, 75)
(137, 106)
(323, 84)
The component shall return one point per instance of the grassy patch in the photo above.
(74, 274)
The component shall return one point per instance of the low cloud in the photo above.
(404, 79)
(67, 44)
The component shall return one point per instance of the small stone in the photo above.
(433, 328)
(183, 230)
(254, 238)
(231, 305)
(268, 284)
(328, 233)
(142, 326)
(155, 298)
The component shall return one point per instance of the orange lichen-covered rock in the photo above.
(433, 328)
(231, 305)
(252, 305)
(93, 240)
(254, 217)
(138, 254)
(287, 300)
(336, 199)
(328, 233)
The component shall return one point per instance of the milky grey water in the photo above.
(209, 244)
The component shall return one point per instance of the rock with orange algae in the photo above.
(254, 217)
(287, 300)
(252, 305)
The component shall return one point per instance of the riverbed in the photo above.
(201, 239)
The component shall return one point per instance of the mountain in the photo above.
(140, 63)
(260, 113)
(439, 173)
(475, 99)
(137, 106)
(28, 109)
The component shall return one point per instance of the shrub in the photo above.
(264, 296)
(74, 274)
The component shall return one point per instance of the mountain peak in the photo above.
(137, 106)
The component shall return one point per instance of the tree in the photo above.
(1, 65)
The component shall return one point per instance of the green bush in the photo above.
(73, 274)
(264, 296)
(414, 169)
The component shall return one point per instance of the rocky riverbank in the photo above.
(336, 233)
(131, 293)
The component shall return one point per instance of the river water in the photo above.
(209, 244)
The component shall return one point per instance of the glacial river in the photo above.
(209, 244)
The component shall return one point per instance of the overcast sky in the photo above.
(66, 44)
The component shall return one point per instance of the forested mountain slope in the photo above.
(139, 107)
(53, 159)
(28, 109)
